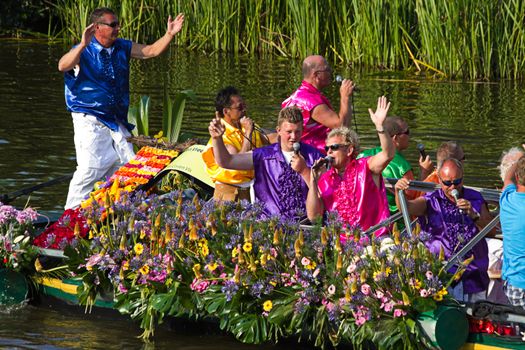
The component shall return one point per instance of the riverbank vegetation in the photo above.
(470, 39)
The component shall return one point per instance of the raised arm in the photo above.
(72, 58)
(328, 117)
(241, 161)
(142, 51)
(378, 162)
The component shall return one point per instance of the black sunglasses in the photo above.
(112, 24)
(334, 147)
(455, 182)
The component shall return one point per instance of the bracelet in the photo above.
(380, 131)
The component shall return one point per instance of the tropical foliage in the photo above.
(261, 278)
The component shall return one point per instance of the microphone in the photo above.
(296, 147)
(339, 80)
(421, 149)
(455, 193)
(327, 161)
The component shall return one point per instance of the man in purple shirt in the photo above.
(451, 224)
(96, 75)
(281, 169)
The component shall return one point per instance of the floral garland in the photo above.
(291, 201)
(146, 164)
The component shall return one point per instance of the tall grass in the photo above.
(471, 39)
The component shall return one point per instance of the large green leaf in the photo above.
(173, 113)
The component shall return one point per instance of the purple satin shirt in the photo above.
(449, 228)
(282, 191)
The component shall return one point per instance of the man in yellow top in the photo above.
(239, 137)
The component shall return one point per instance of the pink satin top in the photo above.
(307, 97)
(355, 197)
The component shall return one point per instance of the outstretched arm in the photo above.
(142, 51)
(72, 58)
(378, 162)
(328, 117)
(241, 161)
(416, 207)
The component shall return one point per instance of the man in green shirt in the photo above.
(399, 167)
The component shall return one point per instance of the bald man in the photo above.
(318, 115)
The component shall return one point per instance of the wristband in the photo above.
(380, 131)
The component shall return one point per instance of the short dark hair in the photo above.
(449, 149)
(290, 114)
(223, 98)
(392, 125)
(97, 14)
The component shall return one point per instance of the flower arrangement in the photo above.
(16, 251)
(262, 279)
(147, 163)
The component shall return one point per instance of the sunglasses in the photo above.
(334, 147)
(112, 24)
(455, 182)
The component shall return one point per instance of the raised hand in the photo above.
(216, 128)
(347, 87)
(174, 26)
(87, 35)
(379, 116)
(426, 163)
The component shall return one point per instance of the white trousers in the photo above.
(100, 152)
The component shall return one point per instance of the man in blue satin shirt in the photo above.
(96, 75)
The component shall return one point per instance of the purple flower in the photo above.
(229, 288)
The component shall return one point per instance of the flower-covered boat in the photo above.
(152, 256)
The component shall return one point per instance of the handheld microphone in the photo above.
(339, 80)
(327, 161)
(455, 193)
(296, 147)
(421, 149)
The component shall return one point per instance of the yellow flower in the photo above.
(138, 248)
(125, 266)
(205, 250)
(267, 306)
(234, 252)
(212, 266)
(197, 270)
(388, 271)
(438, 297)
(247, 247)
(312, 265)
(144, 270)
(417, 284)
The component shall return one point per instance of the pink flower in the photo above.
(305, 261)
(399, 313)
(379, 294)
(351, 268)
(388, 306)
(365, 289)
(429, 275)
(360, 320)
(424, 293)
(316, 272)
(199, 286)
(331, 289)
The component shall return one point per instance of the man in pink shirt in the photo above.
(352, 187)
(318, 115)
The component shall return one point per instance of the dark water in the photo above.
(36, 145)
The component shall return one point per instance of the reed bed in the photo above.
(469, 39)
